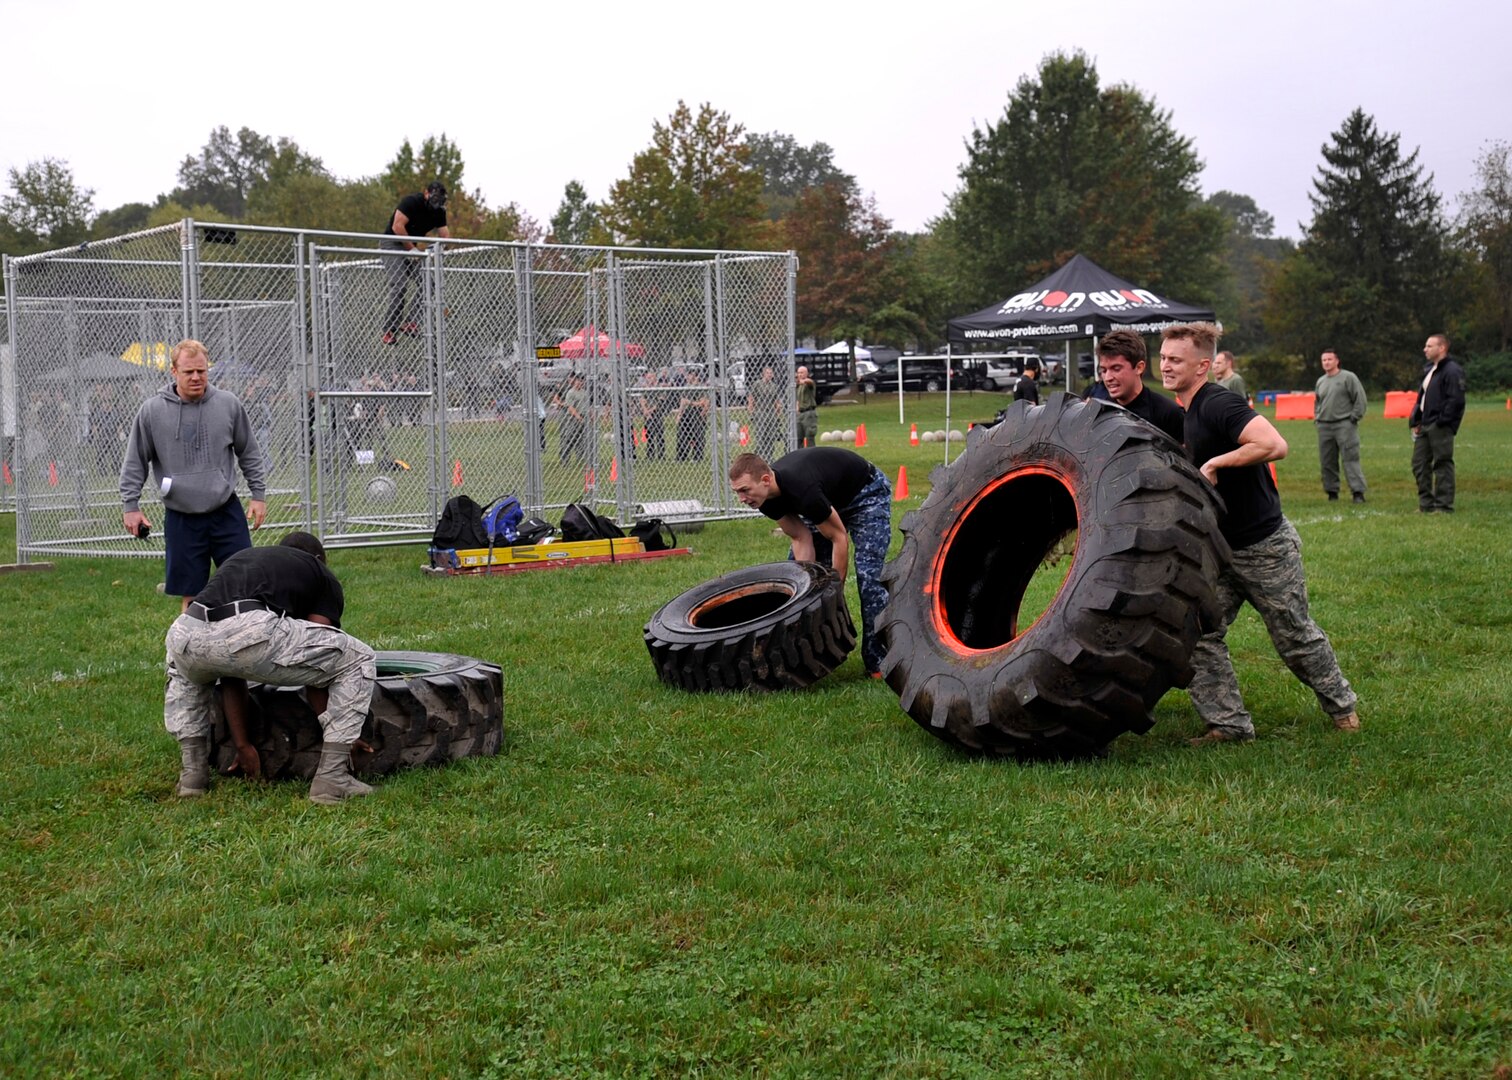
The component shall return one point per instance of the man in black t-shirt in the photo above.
(1121, 360)
(272, 615)
(416, 216)
(1233, 446)
(825, 499)
(1027, 388)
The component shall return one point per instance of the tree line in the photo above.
(1071, 165)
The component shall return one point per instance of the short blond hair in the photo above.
(190, 346)
(1204, 335)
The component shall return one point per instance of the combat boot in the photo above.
(194, 773)
(334, 780)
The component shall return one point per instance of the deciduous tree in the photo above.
(1075, 167)
(789, 168)
(1486, 228)
(46, 208)
(692, 188)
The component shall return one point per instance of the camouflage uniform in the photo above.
(808, 414)
(868, 521)
(262, 646)
(1269, 575)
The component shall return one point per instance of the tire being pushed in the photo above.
(427, 709)
(777, 626)
(1139, 592)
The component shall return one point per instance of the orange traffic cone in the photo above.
(613, 470)
(900, 492)
(1509, 409)
(860, 436)
(588, 480)
(52, 474)
(745, 435)
(913, 434)
(1274, 479)
(9, 479)
(457, 473)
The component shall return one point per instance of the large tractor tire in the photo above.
(427, 709)
(778, 626)
(1119, 633)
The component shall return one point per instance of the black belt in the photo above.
(197, 610)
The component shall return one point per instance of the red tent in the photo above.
(591, 341)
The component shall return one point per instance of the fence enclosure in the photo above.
(380, 382)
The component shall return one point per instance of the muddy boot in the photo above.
(334, 780)
(194, 774)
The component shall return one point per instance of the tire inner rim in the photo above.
(740, 605)
(989, 556)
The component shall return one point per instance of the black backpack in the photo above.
(579, 522)
(534, 530)
(461, 525)
(654, 534)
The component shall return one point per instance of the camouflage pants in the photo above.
(1269, 575)
(1339, 442)
(263, 647)
(868, 521)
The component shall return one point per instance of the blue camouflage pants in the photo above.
(1269, 575)
(868, 520)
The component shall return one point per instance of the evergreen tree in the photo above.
(576, 220)
(1371, 276)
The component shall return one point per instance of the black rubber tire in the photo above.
(868, 386)
(933, 386)
(778, 626)
(989, 384)
(1119, 633)
(427, 709)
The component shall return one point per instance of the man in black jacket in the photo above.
(1435, 421)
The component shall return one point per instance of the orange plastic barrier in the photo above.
(1295, 406)
(1400, 403)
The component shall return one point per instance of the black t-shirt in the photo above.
(286, 579)
(422, 217)
(1026, 390)
(1214, 420)
(1161, 411)
(815, 480)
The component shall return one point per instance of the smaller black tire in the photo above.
(777, 626)
(933, 386)
(989, 384)
(427, 709)
(868, 387)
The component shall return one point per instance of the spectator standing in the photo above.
(1027, 387)
(1435, 421)
(763, 399)
(192, 437)
(1225, 375)
(572, 429)
(808, 409)
(1338, 408)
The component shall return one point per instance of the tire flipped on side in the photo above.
(427, 709)
(1140, 591)
(777, 626)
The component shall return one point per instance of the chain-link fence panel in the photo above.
(91, 331)
(376, 404)
(378, 381)
(248, 299)
(7, 413)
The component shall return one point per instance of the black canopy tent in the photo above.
(1080, 300)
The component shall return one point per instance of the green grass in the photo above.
(651, 883)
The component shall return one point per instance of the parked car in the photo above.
(925, 373)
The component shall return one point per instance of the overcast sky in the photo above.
(539, 94)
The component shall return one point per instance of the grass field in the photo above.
(648, 883)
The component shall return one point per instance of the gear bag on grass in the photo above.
(579, 522)
(461, 525)
(502, 519)
(654, 534)
(534, 530)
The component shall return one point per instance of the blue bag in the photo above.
(501, 520)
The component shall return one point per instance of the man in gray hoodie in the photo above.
(192, 437)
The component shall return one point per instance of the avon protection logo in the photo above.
(1058, 301)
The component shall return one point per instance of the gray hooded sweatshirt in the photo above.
(196, 445)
